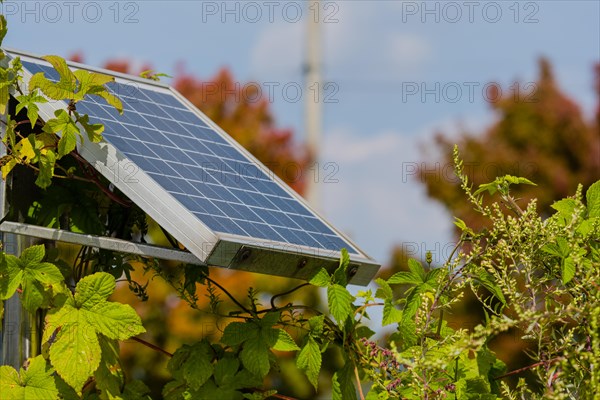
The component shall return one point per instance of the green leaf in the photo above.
(79, 323)
(321, 278)
(225, 371)
(94, 131)
(107, 375)
(93, 290)
(417, 269)
(255, 357)
(384, 291)
(30, 101)
(404, 278)
(64, 126)
(198, 367)
(33, 275)
(567, 270)
(339, 276)
(237, 333)
(487, 281)
(565, 207)
(309, 360)
(592, 197)
(67, 77)
(340, 302)
(35, 382)
(391, 314)
(3, 31)
(46, 165)
(75, 344)
(285, 342)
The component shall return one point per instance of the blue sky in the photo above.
(381, 56)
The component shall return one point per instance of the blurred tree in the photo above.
(244, 114)
(540, 134)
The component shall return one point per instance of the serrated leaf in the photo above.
(340, 302)
(255, 357)
(30, 101)
(94, 131)
(567, 270)
(46, 165)
(55, 91)
(111, 100)
(391, 314)
(404, 278)
(78, 324)
(75, 344)
(29, 272)
(487, 281)
(22, 153)
(385, 291)
(106, 376)
(339, 276)
(67, 77)
(64, 126)
(3, 31)
(309, 360)
(94, 289)
(198, 368)
(285, 342)
(417, 269)
(321, 278)
(564, 207)
(592, 197)
(225, 371)
(35, 382)
(270, 319)
(237, 333)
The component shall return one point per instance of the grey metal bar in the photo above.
(100, 242)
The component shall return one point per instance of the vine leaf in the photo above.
(309, 360)
(255, 356)
(35, 382)
(29, 272)
(63, 124)
(74, 85)
(80, 323)
(592, 197)
(340, 301)
(22, 153)
(30, 101)
(193, 364)
(94, 131)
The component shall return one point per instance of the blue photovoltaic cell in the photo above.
(214, 180)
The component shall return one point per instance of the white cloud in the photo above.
(351, 45)
(279, 50)
(377, 199)
(348, 149)
(407, 52)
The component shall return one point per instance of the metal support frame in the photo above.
(101, 242)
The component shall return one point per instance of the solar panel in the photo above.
(201, 186)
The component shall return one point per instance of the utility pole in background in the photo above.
(313, 112)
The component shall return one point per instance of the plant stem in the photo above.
(152, 346)
(286, 293)
(360, 391)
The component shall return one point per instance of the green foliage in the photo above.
(35, 278)
(36, 381)
(82, 324)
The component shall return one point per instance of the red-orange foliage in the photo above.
(542, 136)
